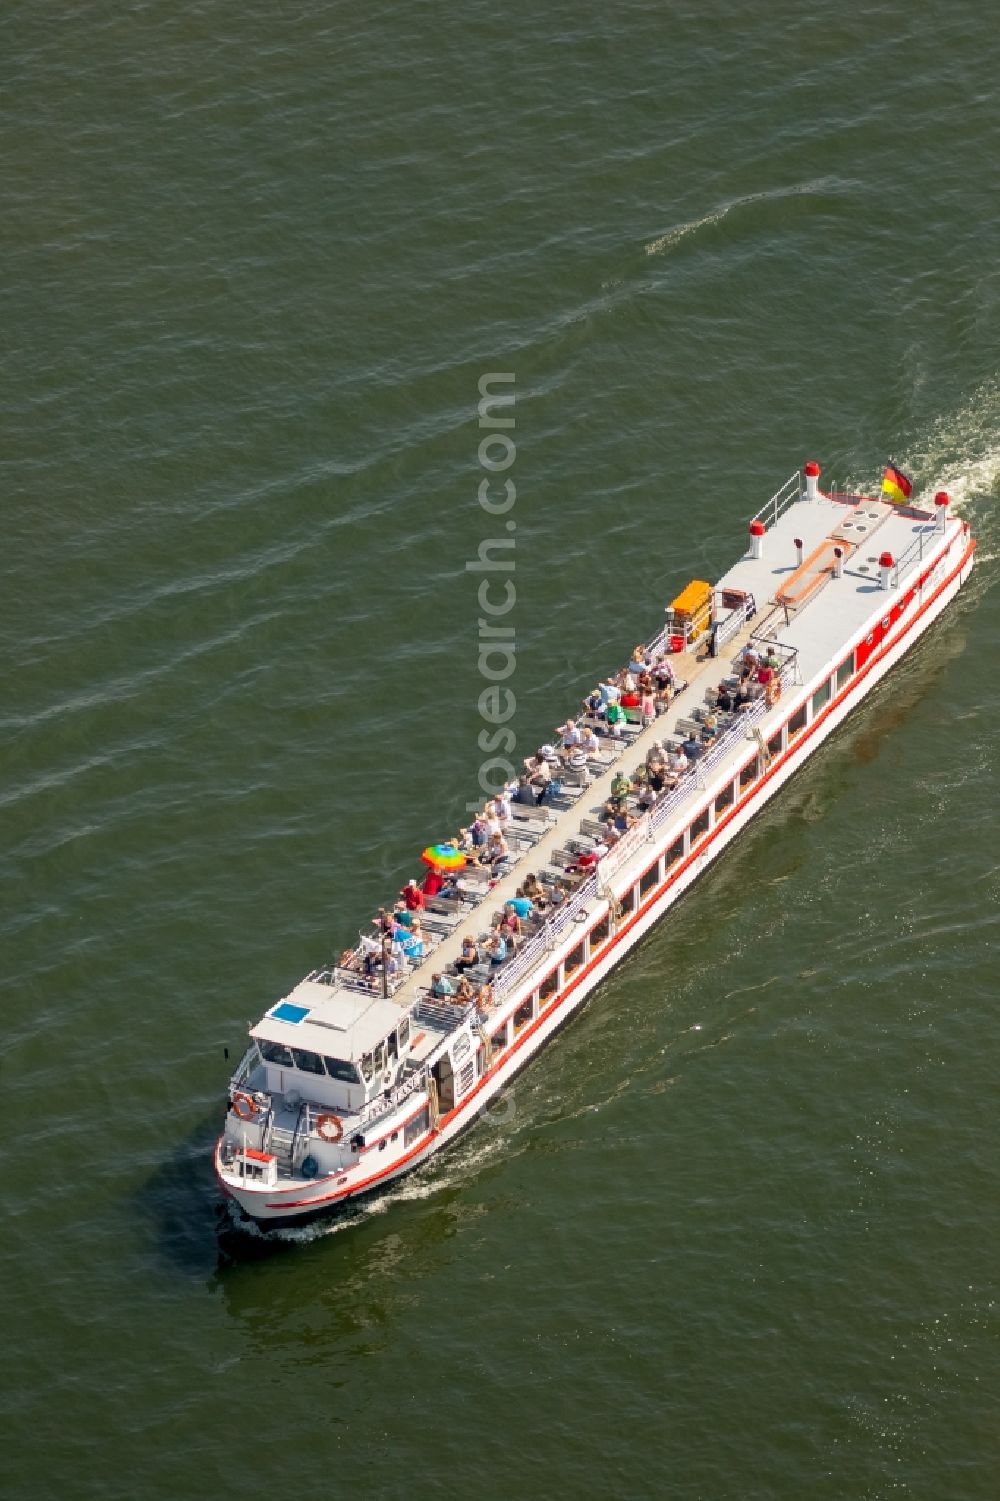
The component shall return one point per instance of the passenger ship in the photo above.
(342, 1091)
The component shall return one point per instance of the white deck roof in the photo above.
(341, 1023)
(837, 609)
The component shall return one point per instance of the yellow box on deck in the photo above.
(693, 598)
(691, 612)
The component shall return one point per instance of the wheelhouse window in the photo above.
(700, 825)
(404, 1034)
(367, 1067)
(797, 723)
(339, 1068)
(309, 1063)
(379, 1057)
(273, 1052)
(750, 772)
(845, 672)
(821, 697)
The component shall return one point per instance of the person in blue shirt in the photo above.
(522, 905)
(441, 985)
(692, 748)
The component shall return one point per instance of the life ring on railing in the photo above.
(329, 1128)
(773, 690)
(239, 1100)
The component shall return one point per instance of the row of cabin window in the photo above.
(653, 877)
(372, 1064)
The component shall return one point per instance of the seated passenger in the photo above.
(465, 991)
(510, 928)
(496, 947)
(621, 786)
(589, 858)
(539, 777)
(521, 904)
(570, 734)
(710, 725)
(535, 891)
(484, 998)
(677, 762)
(557, 895)
(497, 851)
(593, 705)
(692, 748)
(441, 985)
(469, 956)
(589, 743)
(647, 795)
(725, 700)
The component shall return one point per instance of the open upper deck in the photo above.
(808, 601)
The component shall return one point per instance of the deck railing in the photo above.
(915, 552)
(790, 492)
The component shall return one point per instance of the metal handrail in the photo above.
(906, 560)
(790, 492)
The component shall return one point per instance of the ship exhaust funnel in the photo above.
(886, 563)
(757, 530)
(799, 552)
(942, 501)
(838, 562)
(812, 473)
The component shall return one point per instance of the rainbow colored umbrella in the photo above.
(443, 857)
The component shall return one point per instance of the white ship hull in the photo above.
(380, 1165)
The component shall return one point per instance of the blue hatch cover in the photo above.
(286, 1012)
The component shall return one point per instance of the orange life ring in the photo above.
(328, 1128)
(251, 1104)
(774, 690)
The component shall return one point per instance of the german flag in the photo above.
(896, 485)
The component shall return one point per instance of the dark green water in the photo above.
(735, 1234)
